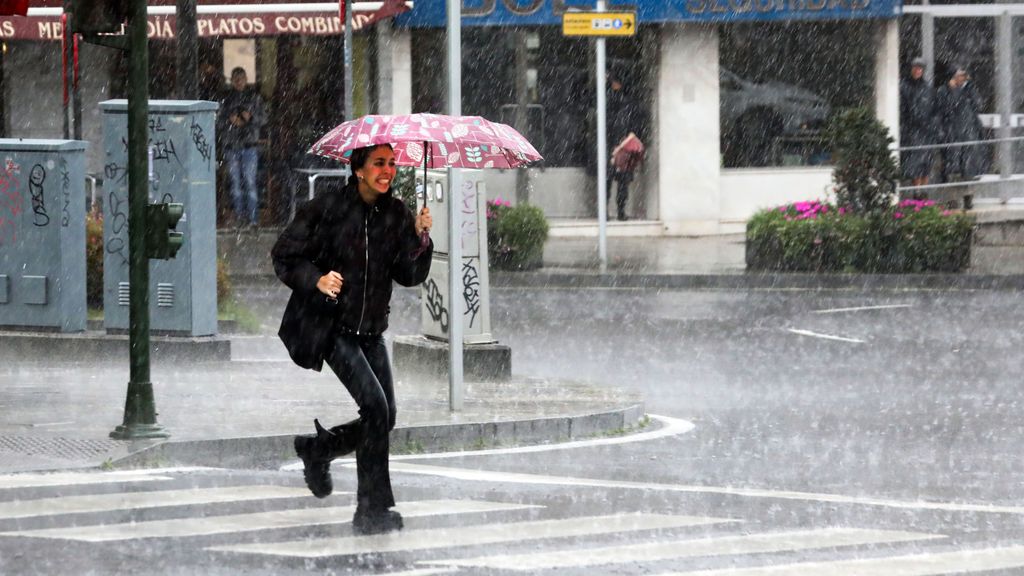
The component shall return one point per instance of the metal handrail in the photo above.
(958, 144)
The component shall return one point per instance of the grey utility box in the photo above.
(42, 234)
(473, 275)
(182, 291)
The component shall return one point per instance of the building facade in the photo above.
(732, 94)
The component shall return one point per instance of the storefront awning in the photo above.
(222, 20)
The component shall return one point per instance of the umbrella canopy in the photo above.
(436, 140)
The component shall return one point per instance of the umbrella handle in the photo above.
(424, 244)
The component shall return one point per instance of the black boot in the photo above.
(370, 521)
(315, 452)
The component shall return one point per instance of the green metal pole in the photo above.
(139, 407)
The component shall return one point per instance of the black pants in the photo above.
(361, 363)
(622, 192)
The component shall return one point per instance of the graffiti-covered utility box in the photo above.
(42, 234)
(182, 291)
(473, 277)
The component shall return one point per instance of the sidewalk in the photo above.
(997, 262)
(244, 413)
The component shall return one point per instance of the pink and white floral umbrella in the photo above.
(431, 140)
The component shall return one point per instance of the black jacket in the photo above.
(247, 135)
(369, 245)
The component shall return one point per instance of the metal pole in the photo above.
(602, 149)
(521, 117)
(188, 48)
(76, 95)
(928, 44)
(348, 59)
(1004, 92)
(455, 314)
(66, 71)
(139, 407)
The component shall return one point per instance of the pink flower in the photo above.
(897, 215)
(947, 212)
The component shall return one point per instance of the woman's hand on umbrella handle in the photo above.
(330, 284)
(424, 222)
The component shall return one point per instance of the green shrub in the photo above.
(865, 173)
(223, 283)
(94, 260)
(914, 236)
(515, 235)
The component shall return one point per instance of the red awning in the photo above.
(227, 20)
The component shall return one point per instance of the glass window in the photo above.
(781, 83)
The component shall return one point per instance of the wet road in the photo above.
(831, 432)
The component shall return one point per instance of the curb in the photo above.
(753, 280)
(270, 452)
(84, 346)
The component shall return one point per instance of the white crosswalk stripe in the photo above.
(205, 526)
(408, 540)
(958, 562)
(659, 551)
(563, 541)
(151, 499)
(33, 480)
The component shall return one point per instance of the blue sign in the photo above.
(433, 13)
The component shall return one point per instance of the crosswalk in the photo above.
(283, 524)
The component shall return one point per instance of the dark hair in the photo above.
(237, 70)
(358, 159)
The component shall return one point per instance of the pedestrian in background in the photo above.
(959, 105)
(340, 256)
(917, 123)
(623, 119)
(239, 123)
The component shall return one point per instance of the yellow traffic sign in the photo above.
(598, 23)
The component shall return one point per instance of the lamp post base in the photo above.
(139, 431)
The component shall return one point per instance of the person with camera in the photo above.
(238, 129)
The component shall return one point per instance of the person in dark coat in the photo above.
(959, 105)
(623, 118)
(917, 120)
(340, 256)
(239, 122)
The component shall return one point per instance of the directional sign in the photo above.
(598, 23)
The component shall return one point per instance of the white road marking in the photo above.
(670, 427)
(408, 540)
(75, 479)
(660, 551)
(517, 478)
(152, 499)
(422, 572)
(205, 526)
(824, 336)
(863, 308)
(959, 562)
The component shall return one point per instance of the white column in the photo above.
(887, 76)
(687, 130)
(394, 68)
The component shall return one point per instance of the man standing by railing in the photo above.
(917, 120)
(959, 105)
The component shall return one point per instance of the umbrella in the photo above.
(433, 140)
